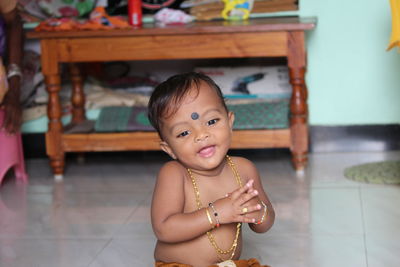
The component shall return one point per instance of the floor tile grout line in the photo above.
(113, 235)
(125, 222)
(363, 224)
(135, 209)
(100, 251)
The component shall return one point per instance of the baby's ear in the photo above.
(231, 117)
(167, 149)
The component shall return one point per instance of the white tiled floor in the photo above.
(99, 215)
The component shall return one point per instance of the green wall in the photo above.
(351, 77)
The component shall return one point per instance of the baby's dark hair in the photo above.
(167, 96)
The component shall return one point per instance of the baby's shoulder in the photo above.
(172, 169)
(245, 167)
(242, 163)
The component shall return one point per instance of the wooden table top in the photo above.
(203, 27)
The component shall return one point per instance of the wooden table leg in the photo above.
(77, 96)
(55, 128)
(298, 102)
(51, 73)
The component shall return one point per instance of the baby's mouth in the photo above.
(207, 151)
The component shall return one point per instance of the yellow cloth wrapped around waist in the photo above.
(230, 263)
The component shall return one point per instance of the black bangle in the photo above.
(211, 205)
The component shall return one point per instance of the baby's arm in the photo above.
(249, 170)
(169, 221)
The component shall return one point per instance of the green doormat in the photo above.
(385, 172)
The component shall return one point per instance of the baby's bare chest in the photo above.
(207, 191)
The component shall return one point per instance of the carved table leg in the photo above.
(78, 96)
(298, 102)
(55, 128)
(51, 73)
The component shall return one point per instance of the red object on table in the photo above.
(135, 12)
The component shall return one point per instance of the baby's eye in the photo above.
(183, 134)
(213, 121)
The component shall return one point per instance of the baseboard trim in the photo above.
(355, 138)
(322, 139)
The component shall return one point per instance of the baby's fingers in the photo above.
(246, 197)
(238, 192)
(248, 209)
(248, 219)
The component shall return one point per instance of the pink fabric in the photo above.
(11, 154)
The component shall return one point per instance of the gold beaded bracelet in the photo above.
(264, 214)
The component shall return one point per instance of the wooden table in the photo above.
(271, 37)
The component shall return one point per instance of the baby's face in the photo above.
(199, 133)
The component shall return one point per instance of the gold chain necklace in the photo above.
(199, 206)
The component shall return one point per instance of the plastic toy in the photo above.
(237, 9)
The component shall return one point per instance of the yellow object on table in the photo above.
(237, 9)
(395, 37)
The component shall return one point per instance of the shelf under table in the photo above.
(150, 140)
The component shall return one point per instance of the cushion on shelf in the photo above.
(258, 115)
(123, 119)
(261, 115)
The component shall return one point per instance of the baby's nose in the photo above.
(202, 136)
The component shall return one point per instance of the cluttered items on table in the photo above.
(56, 15)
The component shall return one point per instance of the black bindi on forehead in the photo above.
(195, 116)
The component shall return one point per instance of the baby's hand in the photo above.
(235, 206)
